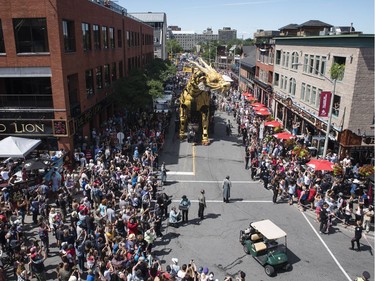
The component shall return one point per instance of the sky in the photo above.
(247, 16)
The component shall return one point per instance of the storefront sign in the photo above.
(325, 102)
(26, 127)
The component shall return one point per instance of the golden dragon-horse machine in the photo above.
(196, 99)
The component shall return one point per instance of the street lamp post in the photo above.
(333, 81)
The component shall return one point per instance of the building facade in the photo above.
(302, 71)
(159, 22)
(58, 62)
(227, 34)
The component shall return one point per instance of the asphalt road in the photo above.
(214, 242)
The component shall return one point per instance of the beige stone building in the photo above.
(302, 70)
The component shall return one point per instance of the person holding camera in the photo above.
(174, 217)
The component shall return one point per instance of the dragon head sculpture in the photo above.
(209, 78)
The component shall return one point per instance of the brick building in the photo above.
(58, 62)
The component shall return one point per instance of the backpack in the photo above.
(184, 205)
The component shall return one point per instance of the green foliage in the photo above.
(141, 86)
(337, 71)
(173, 46)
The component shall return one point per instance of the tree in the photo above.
(173, 46)
(142, 86)
(337, 71)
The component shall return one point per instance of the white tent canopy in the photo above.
(17, 147)
(227, 78)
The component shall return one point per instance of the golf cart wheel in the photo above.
(245, 249)
(269, 270)
(288, 267)
(241, 236)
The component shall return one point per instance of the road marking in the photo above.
(234, 201)
(180, 173)
(193, 153)
(329, 251)
(195, 181)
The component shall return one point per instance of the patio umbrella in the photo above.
(320, 165)
(36, 164)
(260, 108)
(250, 98)
(284, 136)
(257, 104)
(273, 123)
(246, 94)
(264, 113)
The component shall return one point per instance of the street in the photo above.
(214, 242)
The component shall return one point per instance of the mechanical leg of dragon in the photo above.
(198, 92)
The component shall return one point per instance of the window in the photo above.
(283, 59)
(303, 89)
(308, 92)
(338, 67)
(69, 36)
(31, 35)
(86, 36)
(294, 60)
(336, 106)
(305, 63)
(323, 66)
(114, 72)
(119, 38)
(278, 56)
(311, 64)
(287, 59)
(121, 69)
(112, 37)
(89, 82)
(313, 96)
(107, 79)
(292, 86)
(99, 77)
(2, 45)
(277, 78)
(105, 37)
(285, 82)
(96, 32)
(317, 65)
(282, 82)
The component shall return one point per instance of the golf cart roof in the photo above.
(268, 229)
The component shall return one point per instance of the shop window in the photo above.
(96, 34)
(112, 37)
(31, 35)
(86, 36)
(2, 44)
(89, 78)
(99, 77)
(105, 37)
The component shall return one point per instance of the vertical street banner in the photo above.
(325, 102)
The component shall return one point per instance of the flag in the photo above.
(325, 102)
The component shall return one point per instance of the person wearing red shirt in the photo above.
(132, 225)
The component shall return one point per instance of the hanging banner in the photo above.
(325, 102)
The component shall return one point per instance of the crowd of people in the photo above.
(279, 164)
(104, 210)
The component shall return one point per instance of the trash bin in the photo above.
(313, 151)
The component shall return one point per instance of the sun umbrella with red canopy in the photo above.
(273, 123)
(264, 113)
(246, 94)
(320, 165)
(257, 104)
(260, 108)
(250, 98)
(284, 136)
